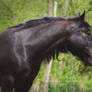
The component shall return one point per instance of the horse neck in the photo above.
(47, 38)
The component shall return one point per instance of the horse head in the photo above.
(80, 42)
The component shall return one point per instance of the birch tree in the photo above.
(66, 7)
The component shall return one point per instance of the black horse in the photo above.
(23, 47)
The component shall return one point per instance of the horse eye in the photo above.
(84, 34)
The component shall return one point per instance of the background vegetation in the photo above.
(68, 74)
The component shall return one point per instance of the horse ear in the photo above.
(82, 16)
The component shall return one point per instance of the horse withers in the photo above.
(24, 46)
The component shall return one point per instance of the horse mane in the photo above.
(32, 23)
(43, 20)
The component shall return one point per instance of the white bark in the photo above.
(66, 7)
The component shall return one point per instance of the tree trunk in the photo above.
(35, 87)
(50, 7)
(46, 77)
(60, 8)
(55, 8)
(66, 7)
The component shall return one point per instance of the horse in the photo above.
(23, 48)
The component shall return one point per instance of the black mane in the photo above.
(32, 23)
(44, 20)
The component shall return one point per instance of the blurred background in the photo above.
(67, 74)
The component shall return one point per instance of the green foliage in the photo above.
(13, 12)
(70, 73)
